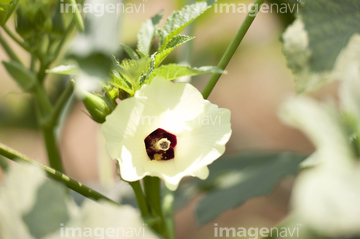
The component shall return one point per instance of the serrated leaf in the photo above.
(132, 70)
(23, 77)
(323, 41)
(133, 55)
(174, 71)
(244, 177)
(170, 46)
(181, 19)
(65, 70)
(118, 81)
(144, 79)
(147, 33)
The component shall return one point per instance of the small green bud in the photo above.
(96, 106)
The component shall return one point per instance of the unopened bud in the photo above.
(96, 106)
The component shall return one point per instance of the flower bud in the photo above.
(96, 106)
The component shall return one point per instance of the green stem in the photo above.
(9, 51)
(140, 199)
(63, 40)
(78, 19)
(232, 47)
(69, 182)
(152, 187)
(52, 149)
(32, 62)
(153, 194)
(42, 71)
(168, 208)
(17, 40)
(43, 99)
(48, 129)
(61, 103)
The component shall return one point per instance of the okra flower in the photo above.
(166, 130)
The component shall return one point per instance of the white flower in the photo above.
(166, 130)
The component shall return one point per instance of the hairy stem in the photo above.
(69, 182)
(232, 47)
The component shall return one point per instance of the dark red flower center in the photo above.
(160, 145)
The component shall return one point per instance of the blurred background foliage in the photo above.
(257, 81)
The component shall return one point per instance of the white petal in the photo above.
(201, 128)
(182, 102)
(321, 125)
(201, 173)
(132, 118)
(204, 144)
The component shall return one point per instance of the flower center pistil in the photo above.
(163, 144)
(160, 145)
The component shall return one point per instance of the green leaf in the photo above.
(33, 205)
(170, 46)
(127, 75)
(329, 29)
(323, 41)
(133, 55)
(181, 19)
(240, 178)
(144, 79)
(23, 77)
(118, 81)
(50, 203)
(65, 70)
(147, 33)
(36, 207)
(6, 9)
(174, 71)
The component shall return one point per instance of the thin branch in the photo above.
(69, 182)
(250, 17)
(16, 39)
